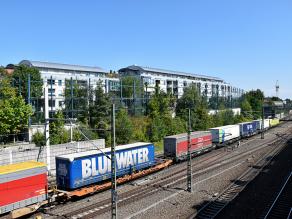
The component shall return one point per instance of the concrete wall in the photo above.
(16, 154)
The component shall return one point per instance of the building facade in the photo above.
(174, 82)
(57, 76)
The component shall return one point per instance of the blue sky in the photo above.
(246, 42)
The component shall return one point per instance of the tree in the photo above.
(77, 94)
(140, 126)
(2, 71)
(157, 129)
(191, 99)
(58, 134)
(159, 105)
(228, 117)
(246, 109)
(131, 87)
(213, 102)
(14, 112)
(161, 121)
(132, 93)
(124, 127)
(99, 112)
(174, 126)
(256, 100)
(20, 75)
(39, 139)
(276, 98)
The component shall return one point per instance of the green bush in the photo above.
(124, 127)
(39, 139)
(140, 125)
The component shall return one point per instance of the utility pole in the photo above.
(114, 194)
(146, 85)
(189, 163)
(28, 98)
(134, 95)
(51, 96)
(72, 100)
(263, 122)
(71, 131)
(29, 102)
(47, 129)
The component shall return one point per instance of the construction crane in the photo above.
(277, 88)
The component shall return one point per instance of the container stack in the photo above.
(22, 184)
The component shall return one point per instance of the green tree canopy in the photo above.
(159, 104)
(14, 112)
(191, 99)
(255, 99)
(131, 87)
(21, 74)
(124, 127)
(58, 134)
(246, 109)
(77, 94)
(99, 111)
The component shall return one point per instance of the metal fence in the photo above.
(25, 152)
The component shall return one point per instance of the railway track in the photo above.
(165, 182)
(281, 206)
(215, 206)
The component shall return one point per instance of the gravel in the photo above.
(176, 202)
(257, 196)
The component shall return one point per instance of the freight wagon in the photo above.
(258, 123)
(266, 124)
(225, 134)
(176, 146)
(22, 184)
(274, 122)
(248, 128)
(80, 169)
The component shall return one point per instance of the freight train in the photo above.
(25, 184)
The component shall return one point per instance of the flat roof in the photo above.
(164, 71)
(52, 65)
(185, 134)
(225, 126)
(72, 156)
(10, 168)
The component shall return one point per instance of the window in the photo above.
(60, 82)
(50, 82)
(61, 103)
(114, 85)
(147, 80)
(52, 103)
(51, 92)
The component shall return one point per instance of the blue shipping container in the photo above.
(247, 128)
(258, 124)
(85, 168)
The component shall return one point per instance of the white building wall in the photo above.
(182, 81)
(60, 76)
